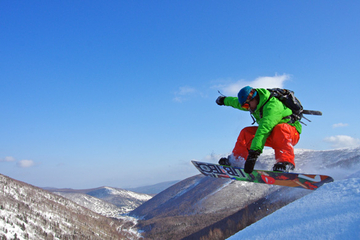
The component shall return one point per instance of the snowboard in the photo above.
(297, 180)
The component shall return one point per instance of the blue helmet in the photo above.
(244, 93)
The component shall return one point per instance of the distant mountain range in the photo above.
(198, 207)
(153, 189)
(28, 212)
(108, 201)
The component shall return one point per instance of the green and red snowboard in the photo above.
(307, 181)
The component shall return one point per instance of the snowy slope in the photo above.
(93, 203)
(124, 199)
(331, 212)
(28, 212)
(107, 201)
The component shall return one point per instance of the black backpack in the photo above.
(288, 98)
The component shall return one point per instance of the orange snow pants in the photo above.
(282, 139)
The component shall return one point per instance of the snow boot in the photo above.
(283, 167)
(224, 161)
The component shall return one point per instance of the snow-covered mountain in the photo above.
(124, 199)
(197, 207)
(206, 207)
(107, 201)
(28, 212)
(331, 212)
(94, 204)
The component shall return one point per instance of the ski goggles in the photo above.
(246, 104)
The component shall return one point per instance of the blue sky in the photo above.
(122, 93)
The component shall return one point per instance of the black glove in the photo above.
(220, 100)
(251, 160)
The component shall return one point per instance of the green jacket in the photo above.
(274, 112)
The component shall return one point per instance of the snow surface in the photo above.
(331, 212)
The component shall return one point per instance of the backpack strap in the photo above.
(260, 109)
(290, 117)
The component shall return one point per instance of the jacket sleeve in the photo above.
(233, 102)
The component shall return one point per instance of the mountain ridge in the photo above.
(29, 212)
(196, 207)
(108, 201)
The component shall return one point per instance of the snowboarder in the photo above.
(275, 129)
